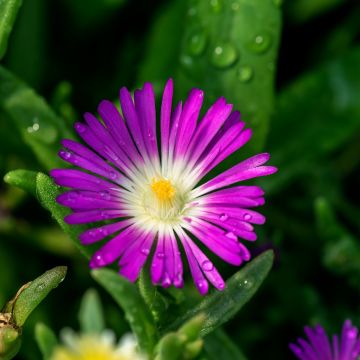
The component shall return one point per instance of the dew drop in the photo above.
(223, 217)
(224, 55)
(103, 215)
(245, 73)
(197, 43)
(216, 5)
(145, 251)
(92, 233)
(192, 11)
(166, 281)
(207, 265)
(231, 235)
(112, 175)
(186, 61)
(80, 128)
(201, 284)
(40, 287)
(235, 6)
(247, 284)
(247, 217)
(160, 255)
(105, 195)
(221, 285)
(261, 43)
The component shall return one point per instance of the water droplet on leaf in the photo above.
(216, 5)
(224, 55)
(197, 43)
(261, 43)
(245, 73)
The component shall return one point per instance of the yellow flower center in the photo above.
(163, 189)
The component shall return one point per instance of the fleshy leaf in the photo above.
(39, 126)
(8, 13)
(240, 288)
(183, 344)
(46, 192)
(91, 315)
(46, 340)
(10, 342)
(128, 297)
(229, 49)
(35, 292)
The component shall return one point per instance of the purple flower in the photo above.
(318, 347)
(149, 186)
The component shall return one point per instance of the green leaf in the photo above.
(46, 192)
(152, 297)
(219, 346)
(36, 291)
(39, 127)
(46, 340)
(91, 315)
(8, 13)
(229, 49)
(315, 115)
(128, 297)
(240, 288)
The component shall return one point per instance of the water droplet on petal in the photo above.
(166, 281)
(223, 217)
(112, 175)
(261, 43)
(207, 265)
(245, 73)
(80, 128)
(224, 55)
(231, 235)
(105, 194)
(216, 5)
(160, 255)
(92, 233)
(188, 220)
(197, 43)
(221, 285)
(145, 251)
(247, 217)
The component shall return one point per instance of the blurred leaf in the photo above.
(219, 346)
(342, 250)
(91, 315)
(46, 340)
(35, 292)
(46, 192)
(10, 342)
(128, 297)
(39, 127)
(27, 56)
(229, 49)
(166, 33)
(304, 10)
(220, 307)
(8, 12)
(315, 115)
(91, 13)
(152, 297)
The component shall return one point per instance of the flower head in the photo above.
(318, 347)
(148, 186)
(96, 347)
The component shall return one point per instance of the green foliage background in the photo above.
(292, 69)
